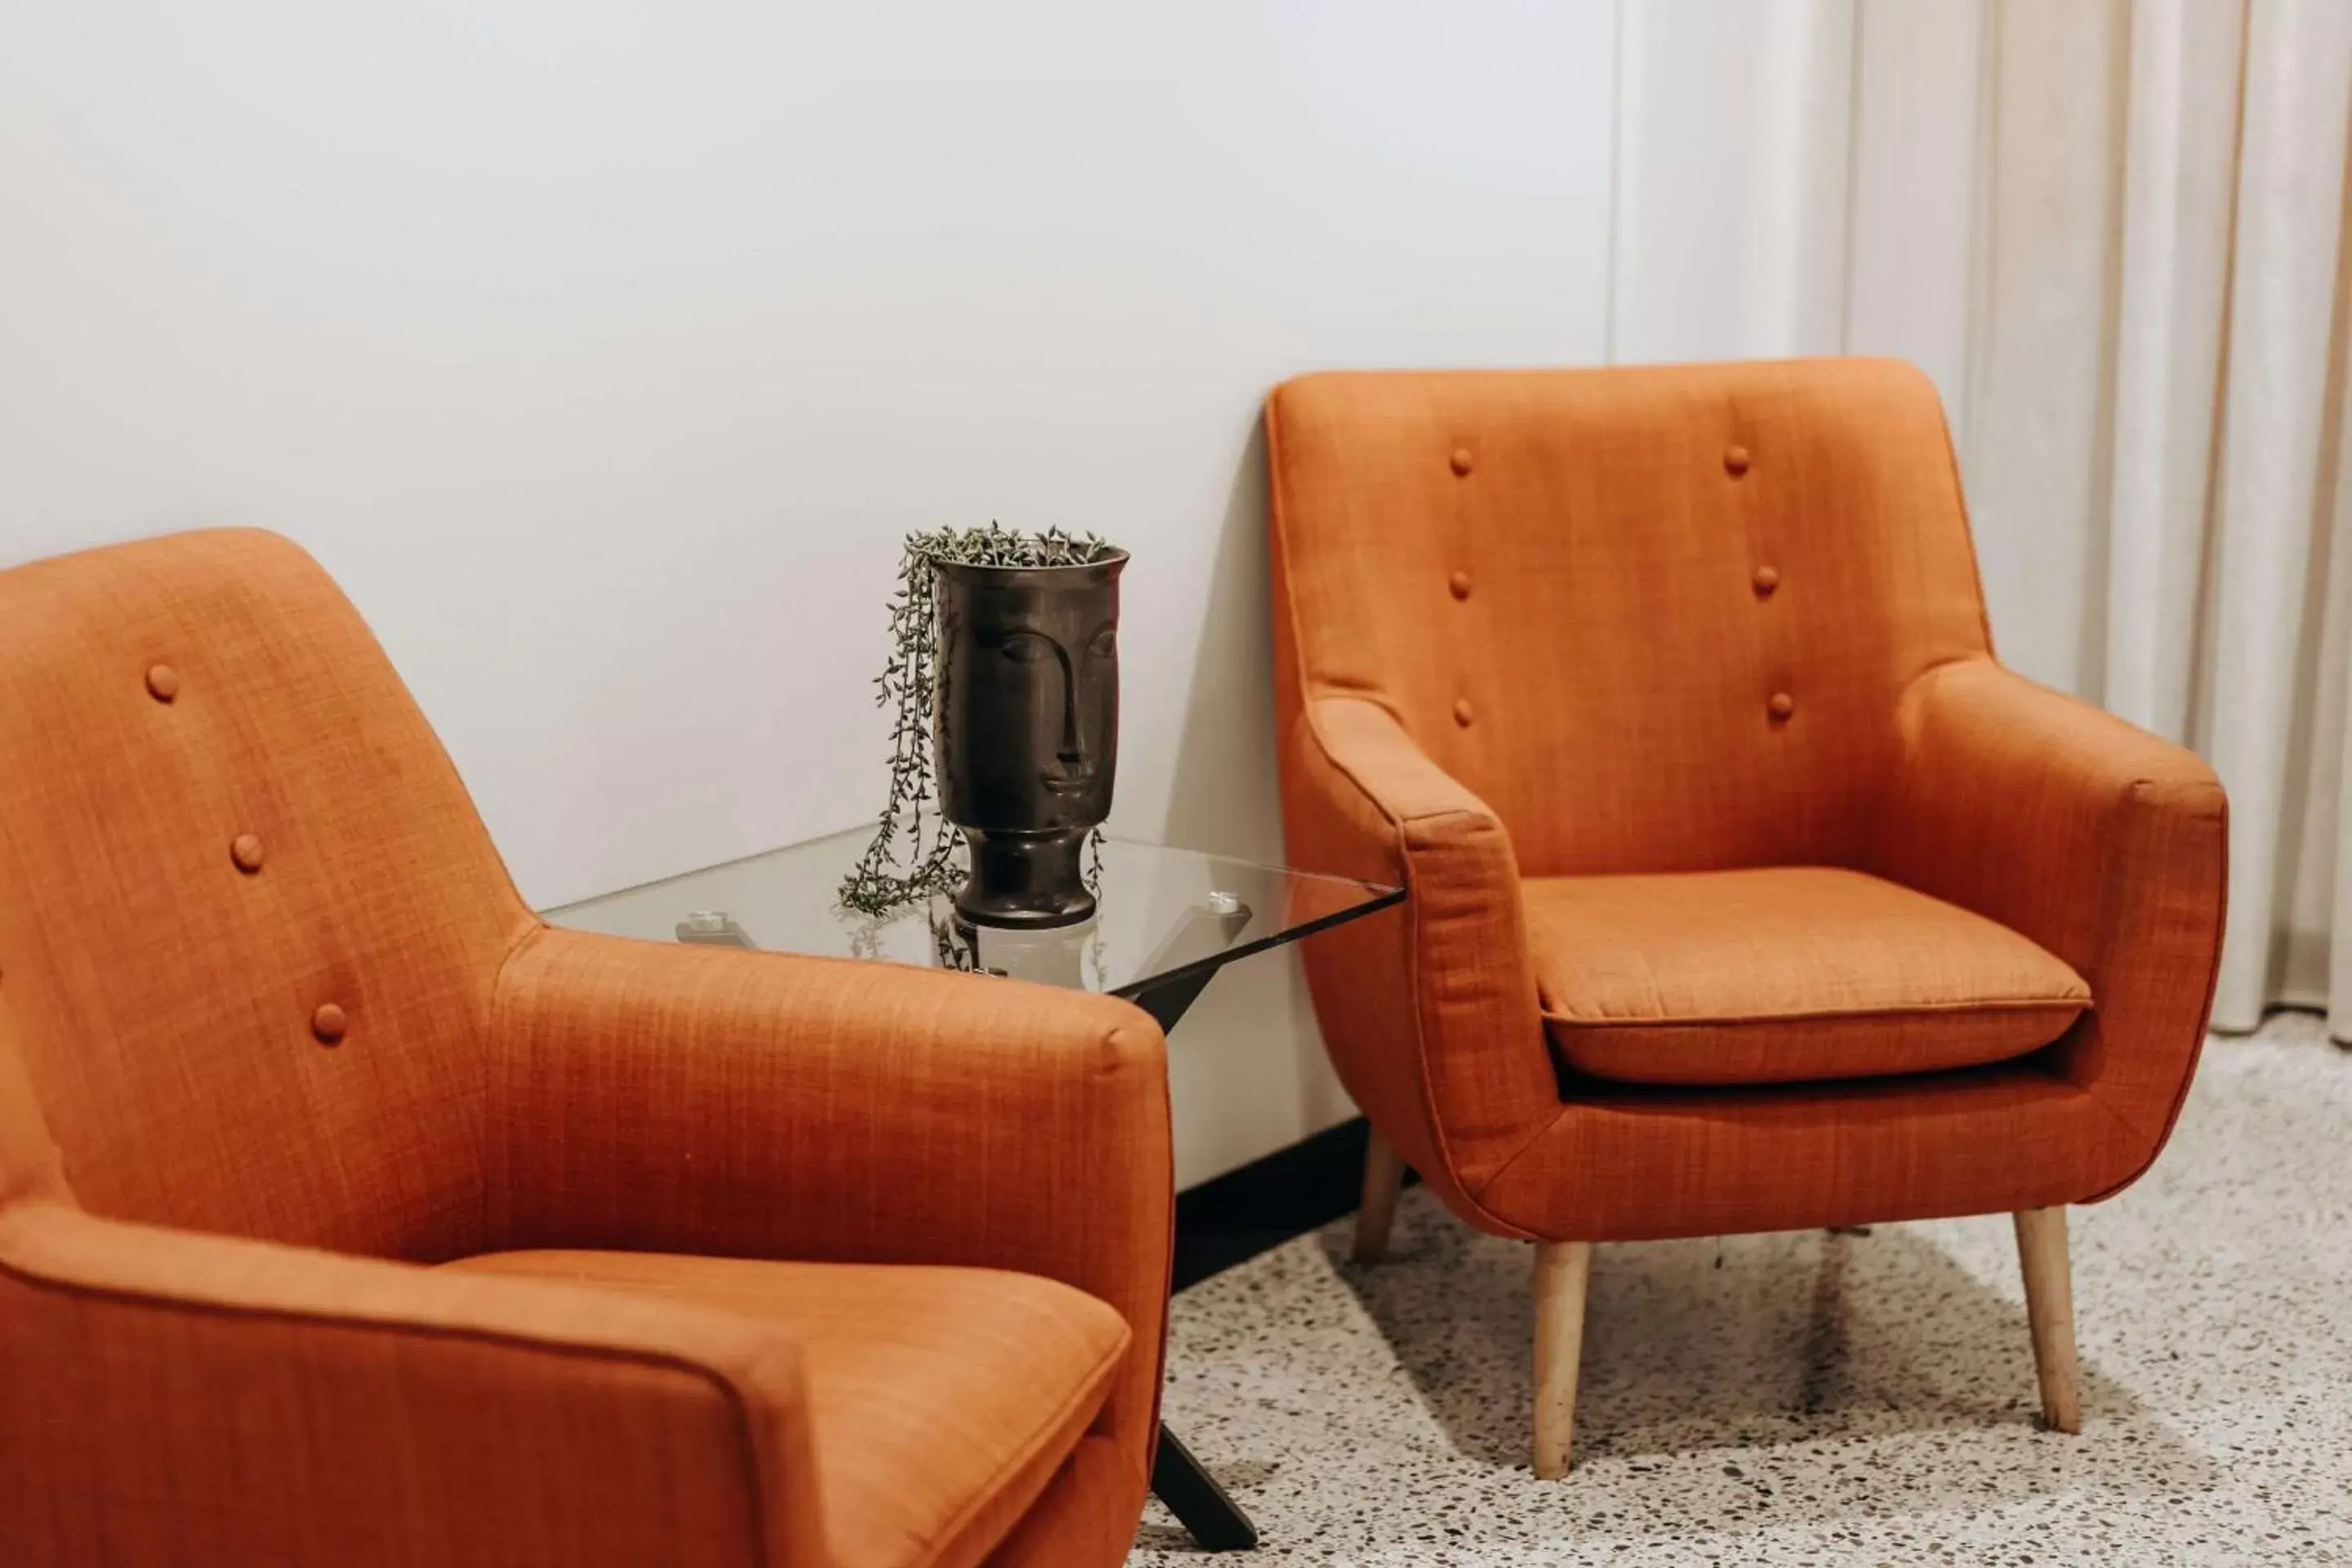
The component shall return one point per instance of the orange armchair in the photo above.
(349, 1215)
(1747, 891)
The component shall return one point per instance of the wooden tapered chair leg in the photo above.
(1561, 1270)
(2050, 1312)
(1384, 1178)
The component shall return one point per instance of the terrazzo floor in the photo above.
(1804, 1397)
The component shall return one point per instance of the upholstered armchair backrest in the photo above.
(249, 921)
(1659, 619)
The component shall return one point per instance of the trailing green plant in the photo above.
(913, 853)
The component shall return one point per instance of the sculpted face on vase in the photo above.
(1026, 725)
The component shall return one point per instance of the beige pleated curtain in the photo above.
(2115, 232)
(2229, 566)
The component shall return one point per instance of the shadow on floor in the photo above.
(1777, 1346)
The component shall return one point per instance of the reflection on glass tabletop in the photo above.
(1164, 913)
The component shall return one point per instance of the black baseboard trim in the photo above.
(1300, 1187)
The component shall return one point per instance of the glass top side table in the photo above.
(1169, 918)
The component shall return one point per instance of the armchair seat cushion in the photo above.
(1782, 975)
(943, 1400)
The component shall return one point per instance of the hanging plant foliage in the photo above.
(913, 851)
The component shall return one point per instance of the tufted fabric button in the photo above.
(327, 1024)
(1766, 579)
(1734, 460)
(1460, 584)
(245, 850)
(1461, 459)
(1781, 705)
(163, 682)
(1461, 714)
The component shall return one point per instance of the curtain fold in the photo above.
(2115, 233)
(2181, 151)
(2289, 224)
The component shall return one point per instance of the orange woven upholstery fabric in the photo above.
(943, 1400)
(274, 1029)
(161, 995)
(188, 1399)
(1586, 625)
(839, 1111)
(1778, 974)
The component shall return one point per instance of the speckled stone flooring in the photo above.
(1804, 1397)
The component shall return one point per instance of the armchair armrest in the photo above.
(2106, 845)
(1430, 1012)
(767, 1105)
(469, 1420)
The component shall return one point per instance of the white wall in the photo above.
(603, 349)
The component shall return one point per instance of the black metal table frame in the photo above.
(1211, 1517)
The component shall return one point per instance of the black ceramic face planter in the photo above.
(1026, 720)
